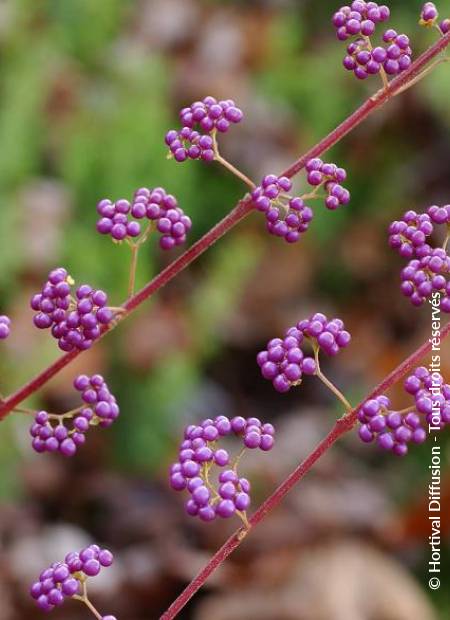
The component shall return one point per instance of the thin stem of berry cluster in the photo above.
(328, 383)
(341, 427)
(83, 598)
(243, 208)
(218, 157)
(133, 266)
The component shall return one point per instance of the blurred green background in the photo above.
(87, 91)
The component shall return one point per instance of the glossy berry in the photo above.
(199, 451)
(64, 579)
(428, 14)
(122, 219)
(65, 433)
(75, 321)
(286, 216)
(284, 362)
(5, 326)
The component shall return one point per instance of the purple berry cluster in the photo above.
(210, 115)
(360, 18)
(65, 579)
(74, 322)
(189, 144)
(153, 204)
(394, 430)
(199, 121)
(49, 431)
(409, 235)
(427, 274)
(199, 452)
(398, 52)
(287, 217)
(284, 362)
(5, 326)
(364, 61)
(330, 176)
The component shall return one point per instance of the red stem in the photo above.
(242, 209)
(342, 426)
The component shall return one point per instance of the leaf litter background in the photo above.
(87, 92)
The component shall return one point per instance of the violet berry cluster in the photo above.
(284, 362)
(67, 579)
(121, 219)
(395, 430)
(66, 432)
(5, 326)
(429, 16)
(427, 274)
(286, 216)
(360, 20)
(199, 451)
(289, 217)
(199, 121)
(364, 61)
(74, 321)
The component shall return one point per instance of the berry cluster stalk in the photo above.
(341, 427)
(416, 71)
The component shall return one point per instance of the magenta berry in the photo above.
(394, 431)
(5, 326)
(65, 433)
(428, 14)
(284, 362)
(199, 452)
(444, 26)
(121, 220)
(75, 321)
(65, 579)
